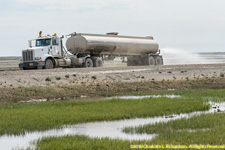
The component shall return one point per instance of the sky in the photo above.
(190, 25)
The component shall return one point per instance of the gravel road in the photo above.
(74, 76)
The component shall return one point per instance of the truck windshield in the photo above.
(43, 42)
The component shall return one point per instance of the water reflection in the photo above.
(111, 129)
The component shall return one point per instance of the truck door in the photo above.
(56, 51)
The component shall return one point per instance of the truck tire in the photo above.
(49, 64)
(158, 60)
(23, 68)
(130, 61)
(97, 62)
(151, 61)
(88, 63)
(134, 61)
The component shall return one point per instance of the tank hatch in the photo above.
(112, 33)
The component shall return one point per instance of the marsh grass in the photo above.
(199, 129)
(215, 136)
(18, 118)
(207, 128)
(216, 95)
(79, 142)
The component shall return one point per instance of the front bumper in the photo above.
(31, 65)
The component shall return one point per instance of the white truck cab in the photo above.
(42, 52)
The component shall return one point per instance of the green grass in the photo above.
(206, 129)
(84, 143)
(215, 95)
(212, 137)
(48, 79)
(17, 118)
(200, 129)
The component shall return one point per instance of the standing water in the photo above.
(110, 129)
(146, 96)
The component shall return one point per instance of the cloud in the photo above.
(77, 4)
(186, 24)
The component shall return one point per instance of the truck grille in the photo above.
(28, 56)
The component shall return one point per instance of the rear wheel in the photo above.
(130, 61)
(151, 61)
(97, 62)
(158, 60)
(49, 64)
(88, 63)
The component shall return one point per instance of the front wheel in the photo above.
(49, 64)
(23, 68)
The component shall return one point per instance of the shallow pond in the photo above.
(146, 96)
(116, 97)
(111, 129)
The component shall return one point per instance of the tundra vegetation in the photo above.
(200, 129)
(19, 117)
(48, 79)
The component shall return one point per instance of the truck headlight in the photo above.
(37, 58)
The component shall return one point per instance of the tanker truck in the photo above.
(87, 50)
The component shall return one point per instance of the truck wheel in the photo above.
(97, 62)
(134, 61)
(49, 64)
(23, 68)
(158, 60)
(151, 61)
(88, 63)
(130, 61)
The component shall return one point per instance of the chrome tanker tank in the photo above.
(111, 44)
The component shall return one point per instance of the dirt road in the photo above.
(87, 76)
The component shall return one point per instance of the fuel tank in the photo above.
(111, 44)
